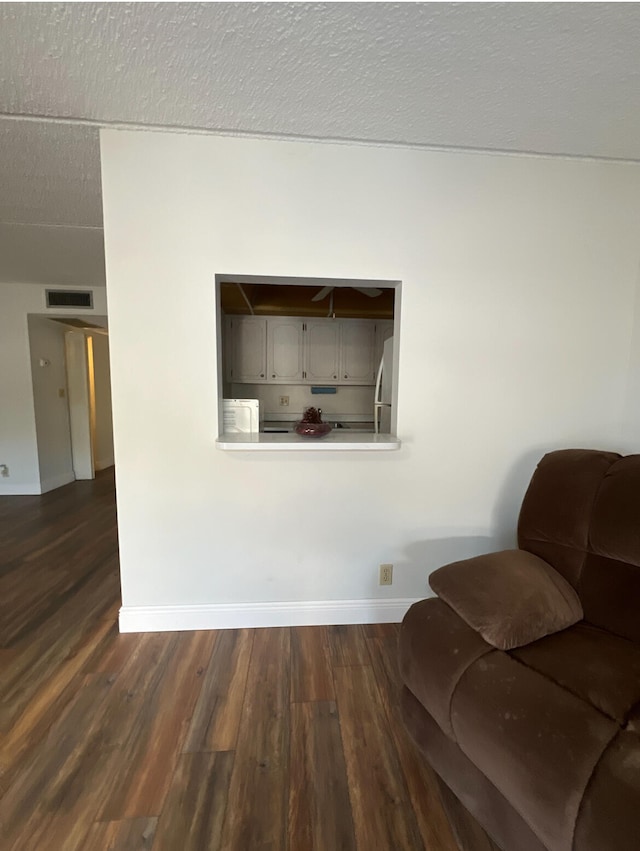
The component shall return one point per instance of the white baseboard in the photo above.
(36, 488)
(20, 490)
(243, 615)
(54, 482)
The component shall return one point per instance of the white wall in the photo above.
(103, 437)
(46, 344)
(18, 444)
(518, 280)
(346, 400)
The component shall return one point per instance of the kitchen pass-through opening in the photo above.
(289, 344)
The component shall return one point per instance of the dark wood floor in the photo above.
(238, 740)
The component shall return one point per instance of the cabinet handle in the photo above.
(346, 376)
(335, 376)
(262, 375)
(274, 375)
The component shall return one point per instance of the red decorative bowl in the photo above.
(312, 429)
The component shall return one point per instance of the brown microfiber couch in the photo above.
(536, 726)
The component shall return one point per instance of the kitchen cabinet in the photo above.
(357, 351)
(293, 350)
(285, 350)
(322, 351)
(248, 346)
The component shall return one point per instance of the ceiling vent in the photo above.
(70, 298)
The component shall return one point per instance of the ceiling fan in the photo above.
(372, 292)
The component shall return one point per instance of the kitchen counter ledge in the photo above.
(291, 442)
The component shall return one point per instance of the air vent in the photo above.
(69, 298)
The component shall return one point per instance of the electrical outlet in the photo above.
(4, 471)
(284, 401)
(386, 574)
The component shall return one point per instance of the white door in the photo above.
(249, 349)
(357, 352)
(284, 350)
(81, 403)
(322, 351)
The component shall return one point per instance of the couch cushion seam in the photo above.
(458, 681)
(563, 688)
(588, 784)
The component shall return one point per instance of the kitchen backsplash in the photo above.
(346, 400)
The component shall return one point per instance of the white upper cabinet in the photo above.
(322, 351)
(248, 349)
(285, 350)
(357, 350)
(292, 350)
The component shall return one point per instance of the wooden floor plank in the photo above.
(156, 733)
(216, 719)
(46, 805)
(382, 812)
(129, 835)
(258, 795)
(35, 719)
(348, 645)
(422, 783)
(318, 783)
(311, 674)
(193, 814)
(51, 643)
(380, 630)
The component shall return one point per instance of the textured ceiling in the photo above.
(50, 173)
(559, 78)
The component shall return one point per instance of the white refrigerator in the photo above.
(382, 397)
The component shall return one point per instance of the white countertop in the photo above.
(338, 440)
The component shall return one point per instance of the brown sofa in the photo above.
(522, 681)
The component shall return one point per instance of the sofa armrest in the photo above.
(510, 598)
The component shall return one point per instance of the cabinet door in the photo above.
(249, 349)
(322, 351)
(384, 330)
(284, 350)
(357, 351)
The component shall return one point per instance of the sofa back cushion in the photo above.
(581, 513)
(556, 511)
(610, 579)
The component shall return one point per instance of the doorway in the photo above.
(72, 398)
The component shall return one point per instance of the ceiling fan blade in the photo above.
(324, 292)
(372, 292)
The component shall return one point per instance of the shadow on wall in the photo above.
(428, 555)
(509, 500)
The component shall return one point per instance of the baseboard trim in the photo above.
(104, 463)
(20, 490)
(244, 615)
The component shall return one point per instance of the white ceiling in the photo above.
(557, 78)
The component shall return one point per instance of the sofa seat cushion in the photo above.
(536, 742)
(610, 816)
(511, 597)
(593, 664)
(436, 648)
